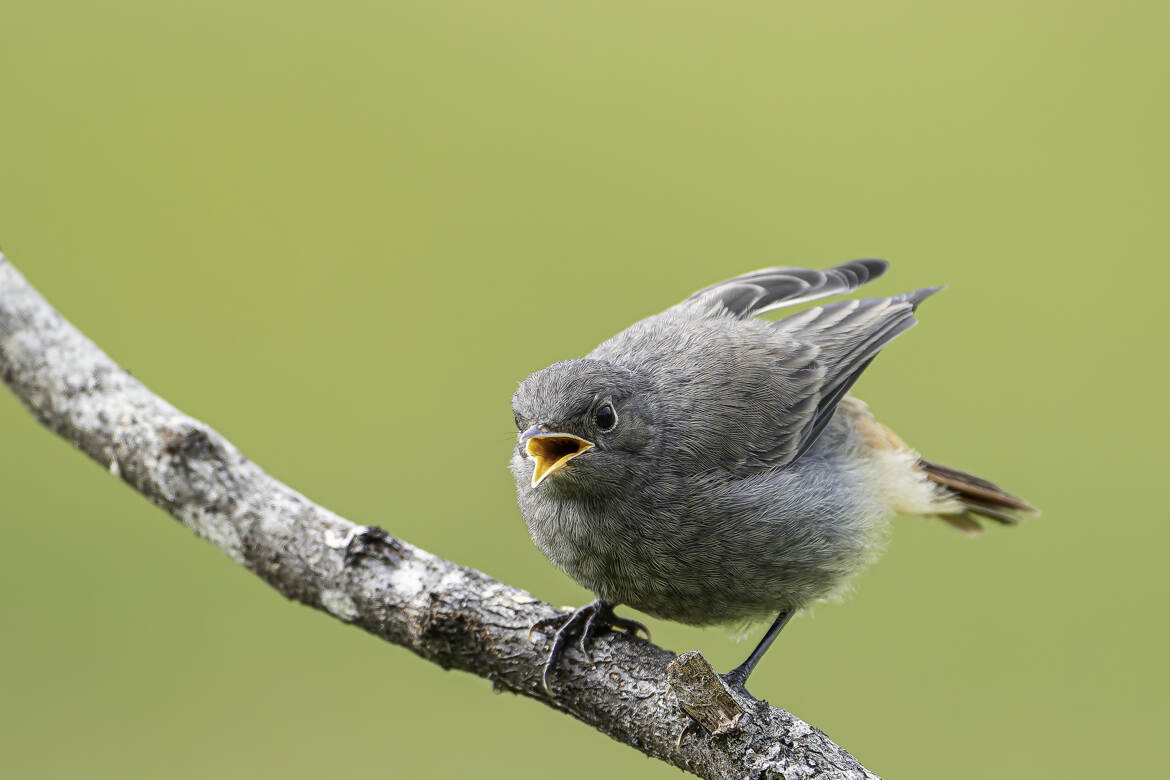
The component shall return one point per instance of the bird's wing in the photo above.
(773, 288)
(847, 336)
(756, 394)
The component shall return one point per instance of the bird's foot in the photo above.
(736, 679)
(692, 727)
(584, 622)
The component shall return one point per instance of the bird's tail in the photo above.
(976, 496)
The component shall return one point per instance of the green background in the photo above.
(342, 233)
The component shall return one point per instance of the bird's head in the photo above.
(582, 426)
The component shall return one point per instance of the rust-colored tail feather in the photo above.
(978, 497)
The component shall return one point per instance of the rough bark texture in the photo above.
(454, 616)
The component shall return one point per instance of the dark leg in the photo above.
(585, 620)
(737, 677)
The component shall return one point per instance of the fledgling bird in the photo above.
(706, 466)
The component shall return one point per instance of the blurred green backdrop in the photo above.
(330, 230)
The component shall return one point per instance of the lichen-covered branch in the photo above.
(454, 616)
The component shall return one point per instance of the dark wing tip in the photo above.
(916, 297)
(868, 268)
(855, 273)
(772, 288)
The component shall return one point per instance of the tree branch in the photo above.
(454, 616)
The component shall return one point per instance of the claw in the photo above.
(586, 632)
(586, 621)
(544, 683)
(631, 627)
(558, 644)
(687, 729)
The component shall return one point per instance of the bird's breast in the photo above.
(721, 550)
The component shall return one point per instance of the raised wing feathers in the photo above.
(848, 336)
(772, 288)
(751, 394)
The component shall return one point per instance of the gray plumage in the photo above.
(739, 479)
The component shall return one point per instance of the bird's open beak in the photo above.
(551, 451)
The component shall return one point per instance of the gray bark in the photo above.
(449, 614)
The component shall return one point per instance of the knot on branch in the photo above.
(193, 443)
(703, 694)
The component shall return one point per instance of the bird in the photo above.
(708, 466)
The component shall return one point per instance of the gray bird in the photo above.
(708, 467)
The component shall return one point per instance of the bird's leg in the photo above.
(585, 621)
(737, 677)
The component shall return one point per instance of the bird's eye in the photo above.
(606, 417)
